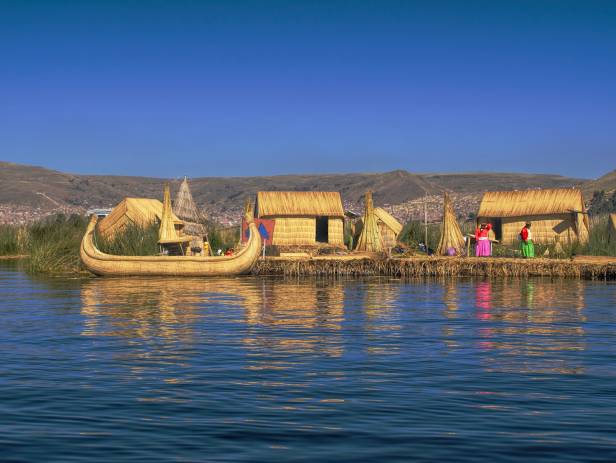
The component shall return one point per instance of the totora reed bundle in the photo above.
(370, 239)
(451, 235)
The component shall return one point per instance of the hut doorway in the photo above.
(322, 230)
(498, 228)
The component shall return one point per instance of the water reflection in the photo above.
(532, 322)
(451, 312)
(147, 308)
(296, 316)
(383, 316)
(174, 310)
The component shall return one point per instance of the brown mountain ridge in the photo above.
(38, 187)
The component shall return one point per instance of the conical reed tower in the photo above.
(451, 235)
(167, 232)
(184, 205)
(370, 239)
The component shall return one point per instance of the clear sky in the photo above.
(168, 88)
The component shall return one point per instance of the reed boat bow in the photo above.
(104, 264)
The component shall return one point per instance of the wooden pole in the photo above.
(426, 221)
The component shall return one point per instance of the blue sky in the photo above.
(168, 88)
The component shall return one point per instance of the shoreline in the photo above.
(589, 269)
(583, 267)
(15, 257)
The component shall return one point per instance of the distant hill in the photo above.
(37, 187)
(607, 183)
(479, 182)
(31, 186)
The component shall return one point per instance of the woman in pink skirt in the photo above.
(483, 247)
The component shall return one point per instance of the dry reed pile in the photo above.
(370, 239)
(436, 266)
(451, 235)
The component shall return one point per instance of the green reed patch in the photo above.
(53, 244)
(8, 240)
(133, 240)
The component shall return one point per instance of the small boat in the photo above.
(104, 264)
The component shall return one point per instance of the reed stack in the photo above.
(452, 240)
(370, 239)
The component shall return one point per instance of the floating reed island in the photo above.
(591, 268)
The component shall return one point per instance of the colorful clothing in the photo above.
(527, 246)
(483, 248)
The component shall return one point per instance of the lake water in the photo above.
(265, 369)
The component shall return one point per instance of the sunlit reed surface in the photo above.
(269, 370)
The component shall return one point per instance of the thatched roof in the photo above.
(184, 206)
(167, 232)
(531, 202)
(139, 211)
(299, 203)
(451, 235)
(388, 220)
(370, 239)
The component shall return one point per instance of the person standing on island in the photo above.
(526, 237)
(483, 248)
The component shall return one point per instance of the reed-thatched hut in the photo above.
(302, 218)
(137, 211)
(389, 227)
(553, 213)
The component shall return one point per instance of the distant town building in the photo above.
(100, 213)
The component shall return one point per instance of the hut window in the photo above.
(322, 232)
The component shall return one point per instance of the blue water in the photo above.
(306, 370)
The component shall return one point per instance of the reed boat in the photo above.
(104, 264)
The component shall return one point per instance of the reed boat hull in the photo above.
(104, 264)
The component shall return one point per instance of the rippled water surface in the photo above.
(249, 369)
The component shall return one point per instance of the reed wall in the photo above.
(544, 229)
(301, 231)
(294, 231)
(335, 231)
(388, 235)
